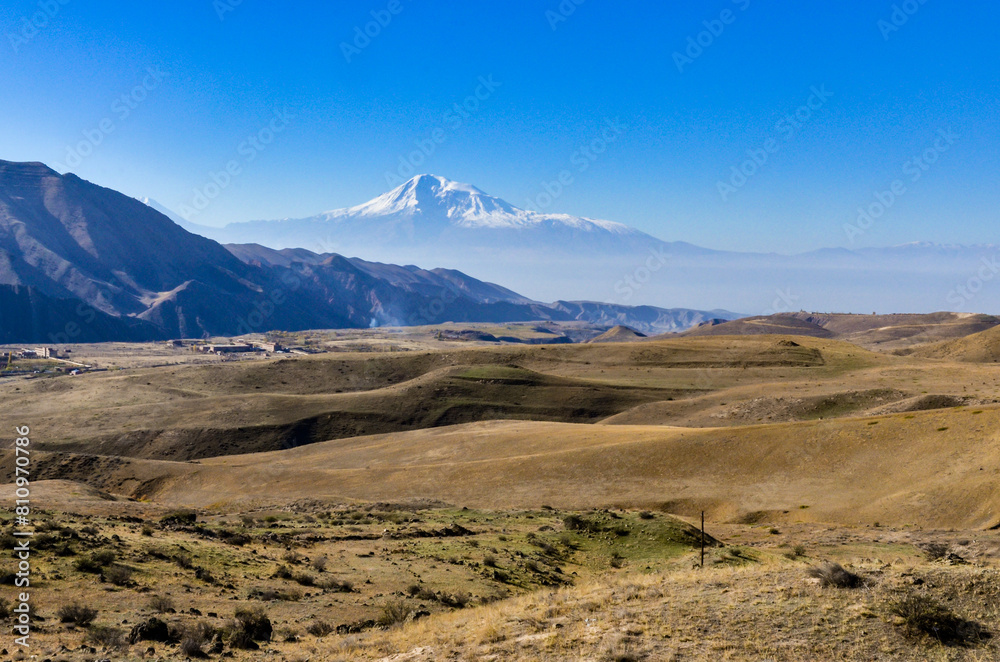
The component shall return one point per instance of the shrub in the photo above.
(426, 594)
(796, 552)
(304, 578)
(4, 608)
(619, 648)
(147, 530)
(161, 604)
(319, 563)
(96, 562)
(235, 538)
(269, 594)
(393, 612)
(179, 518)
(77, 613)
(119, 575)
(255, 623)
(192, 647)
(457, 600)
(320, 629)
(195, 638)
(242, 640)
(833, 574)
(935, 551)
(106, 636)
(921, 614)
(204, 575)
(490, 561)
(338, 585)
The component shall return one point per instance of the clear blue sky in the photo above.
(684, 130)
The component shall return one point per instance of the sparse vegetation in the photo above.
(921, 614)
(161, 604)
(77, 614)
(319, 628)
(393, 612)
(107, 636)
(834, 575)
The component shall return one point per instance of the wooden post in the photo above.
(703, 539)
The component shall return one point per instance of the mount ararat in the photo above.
(432, 220)
(83, 263)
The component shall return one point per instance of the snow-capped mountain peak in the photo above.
(437, 200)
(433, 195)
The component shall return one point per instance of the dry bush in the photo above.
(393, 612)
(619, 648)
(304, 578)
(194, 639)
(119, 575)
(320, 628)
(833, 574)
(161, 604)
(922, 615)
(458, 600)
(77, 613)
(338, 585)
(254, 622)
(96, 562)
(107, 636)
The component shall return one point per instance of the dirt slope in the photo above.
(934, 468)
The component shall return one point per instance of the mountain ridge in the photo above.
(90, 255)
(548, 256)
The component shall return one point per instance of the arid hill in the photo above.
(877, 332)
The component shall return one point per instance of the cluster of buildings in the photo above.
(36, 353)
(240, 348)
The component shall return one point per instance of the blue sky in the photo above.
(200, 78)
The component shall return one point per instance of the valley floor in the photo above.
(447, 500)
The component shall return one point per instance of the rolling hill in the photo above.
(882, 332)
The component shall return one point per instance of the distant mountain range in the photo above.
(432, 220)
(79, 262)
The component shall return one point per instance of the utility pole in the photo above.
(703, 539)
